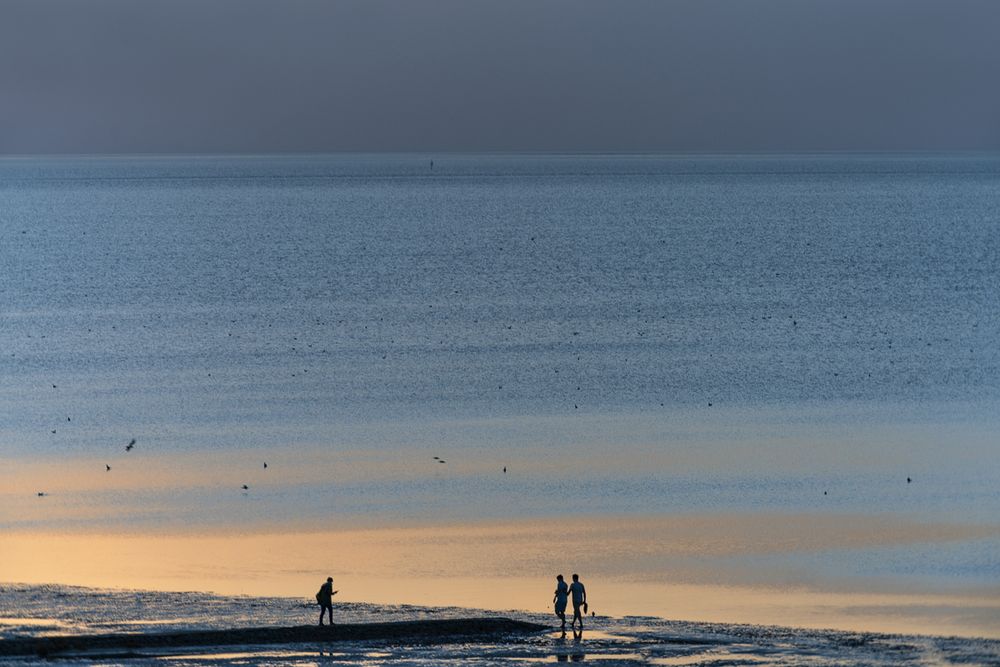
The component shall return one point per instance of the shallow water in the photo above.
(609, 641)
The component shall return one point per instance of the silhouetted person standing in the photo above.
(561, 595)
(325, 599)
(579, 600)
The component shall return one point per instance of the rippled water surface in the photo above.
(505, 339)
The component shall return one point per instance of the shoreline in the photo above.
(119, 627)
(931, 615)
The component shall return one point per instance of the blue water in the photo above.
(353, 288)
(762, 328)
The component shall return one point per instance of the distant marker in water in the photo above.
(505, 470)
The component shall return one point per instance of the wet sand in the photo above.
(421, 631)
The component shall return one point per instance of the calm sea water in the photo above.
(627, 335)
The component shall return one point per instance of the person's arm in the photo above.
(583, 591)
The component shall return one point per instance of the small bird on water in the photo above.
(107, 468)
(265, 464)
(246, 488)
(41, 493)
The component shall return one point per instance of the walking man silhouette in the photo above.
(325, 599)
(579, 600)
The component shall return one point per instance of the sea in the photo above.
(725, 389)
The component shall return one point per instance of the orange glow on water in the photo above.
(663, 566)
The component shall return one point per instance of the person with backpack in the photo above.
(325, 599)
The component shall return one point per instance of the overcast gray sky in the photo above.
(508, 75)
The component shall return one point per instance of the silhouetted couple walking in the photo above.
(578, 593)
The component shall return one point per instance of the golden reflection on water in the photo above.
(662, 566)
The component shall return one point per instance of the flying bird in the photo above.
(130, 445)
(108, 467)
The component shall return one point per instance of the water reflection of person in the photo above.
(571, 657)
(560, 598)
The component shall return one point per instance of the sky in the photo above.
(249, 76)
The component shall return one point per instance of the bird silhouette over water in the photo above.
(265, 464)
(908, 480)
(130, 445)
(505, 470)
(246, 488)
(41, 493)
(107, 468)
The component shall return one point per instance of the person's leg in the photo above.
(322, 610)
